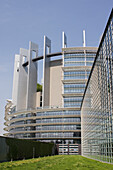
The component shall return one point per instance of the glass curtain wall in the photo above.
(75, 76)
(97, 106)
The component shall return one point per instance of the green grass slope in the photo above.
(65, 162)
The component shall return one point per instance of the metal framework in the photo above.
(97, 104)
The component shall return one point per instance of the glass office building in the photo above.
(97, 105)
(59, 118)
(74, 93)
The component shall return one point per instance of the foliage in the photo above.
(60, 162)
(39, 87)
(15, 149)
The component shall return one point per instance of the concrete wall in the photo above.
(38, 94)
(55, 83)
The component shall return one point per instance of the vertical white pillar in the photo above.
(64, 40)
(84, 45)
(84, 40)
(64, 45)
(46, 73)
(15, 79)
(20, 81)
(25, 79)
(32, 76)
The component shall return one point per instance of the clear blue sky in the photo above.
(22, 21)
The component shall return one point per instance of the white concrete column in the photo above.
(84, 39)
(32, 76)
(46, 73)
(25, 79)
(64, 40)
(20, 80)
(15, 79)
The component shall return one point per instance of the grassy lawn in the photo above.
(60, 162)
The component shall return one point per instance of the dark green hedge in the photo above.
(15, 149)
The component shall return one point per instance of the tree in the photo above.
(39, 87)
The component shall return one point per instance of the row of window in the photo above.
(76, 77)
(68, 64)
(55, 113)
(57, 120)
(55, 127)
(55, 134)
(78, 59)
(72, 104)
(67, 90)
(59, 127)
(76, 72)
(49, 135)
(51, 113)
(73, 99)
(74, 85)
(46, 120)
(79, 54)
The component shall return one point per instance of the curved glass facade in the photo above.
(62, 124)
